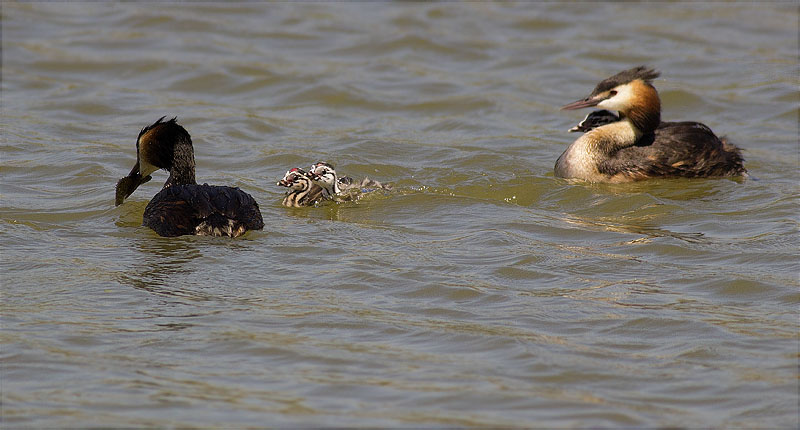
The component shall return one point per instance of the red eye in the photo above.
(612, 93)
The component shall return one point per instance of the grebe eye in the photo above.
(612, 93)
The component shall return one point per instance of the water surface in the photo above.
(481, 292)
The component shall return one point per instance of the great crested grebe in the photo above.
(302, 191)
(324, 175)
(639, 146)
(183, 206)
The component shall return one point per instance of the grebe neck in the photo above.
(610, 138)
(182, 170)
(582, 158)
(644, 111)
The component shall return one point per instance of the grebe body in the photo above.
(183, 206)
(638, 145)
(302, 190)
(338, 188)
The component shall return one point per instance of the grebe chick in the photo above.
(183, 206)
(640, 146)
(595, 119)
(302, 191)
(324, 175)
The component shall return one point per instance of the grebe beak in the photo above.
(127, 185)
(583, 103)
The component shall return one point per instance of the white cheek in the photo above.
(621, 101)
(610, 104)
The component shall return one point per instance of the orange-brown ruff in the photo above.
(183, 206)
(640, 146)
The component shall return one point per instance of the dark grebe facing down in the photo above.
(338, 188)
(302, 190)
(639, 146)
(183, 206)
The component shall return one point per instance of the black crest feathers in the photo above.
(641, 72)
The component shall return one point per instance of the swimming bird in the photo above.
(182, 206)
(640, 146)
(324, 175)
(302, 191)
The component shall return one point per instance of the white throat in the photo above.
(581, 158)
(145, 168)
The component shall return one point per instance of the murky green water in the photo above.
(481, 292)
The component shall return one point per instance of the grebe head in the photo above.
(296, 179)
(324, 175)
(630, 92)
(162, 145)
(617, 92)
(595, 119)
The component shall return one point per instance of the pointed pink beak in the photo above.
(584, 103)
